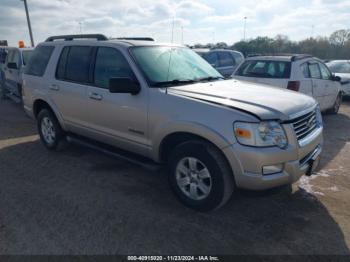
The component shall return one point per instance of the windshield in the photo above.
(26, 55)
(163, 65)
(339, 67)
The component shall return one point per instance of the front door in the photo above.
(121, 117)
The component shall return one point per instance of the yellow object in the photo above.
(21, 44)
(243, 133)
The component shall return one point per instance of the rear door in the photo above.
(68, 88)
(116, 116)
(318, 84)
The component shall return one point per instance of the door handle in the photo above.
(95, 96)
(54, 87)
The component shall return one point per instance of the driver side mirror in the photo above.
(335, 78)
(12, 65)
(124, 85)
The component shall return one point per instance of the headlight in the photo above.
(263, 134)
(319, 117)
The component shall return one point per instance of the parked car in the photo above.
(301, 73)
(341, 68)
(225, 61)
(15, 62)
(165, 104)
(3, 54)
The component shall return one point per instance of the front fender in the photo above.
(193, 128)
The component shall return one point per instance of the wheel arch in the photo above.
(171, 137)
(40, 104)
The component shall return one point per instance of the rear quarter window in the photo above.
(39, 60)
(265, 69)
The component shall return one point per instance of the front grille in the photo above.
(305, 125)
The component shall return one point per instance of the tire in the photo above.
(337, 103)
(218, 182)
(50, 131)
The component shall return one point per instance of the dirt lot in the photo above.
(81, 202)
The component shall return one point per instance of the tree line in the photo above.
(336, 46)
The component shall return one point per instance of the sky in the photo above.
(193, 21)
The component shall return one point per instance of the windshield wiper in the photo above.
(209, 78)
(175, 82)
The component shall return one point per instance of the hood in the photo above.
(344, 77)
(262, 101)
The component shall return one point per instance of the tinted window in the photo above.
(39, 60)
(314, 71)
(305, 70)
(212, 59)
(78, 64)
(264, 69)
(110, 63)
(61, 66)
(13, 57)
(26, 56)
(225, 59)
(325, 73)
(238, 57)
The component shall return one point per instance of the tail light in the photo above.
(293, 85)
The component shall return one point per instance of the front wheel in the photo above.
(200, 175)
(50, 131)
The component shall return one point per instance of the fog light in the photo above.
(269, 170)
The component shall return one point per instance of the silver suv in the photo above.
(165, 103)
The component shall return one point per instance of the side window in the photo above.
(226, 59)
(212, 59)
(61, 66)
(78, 64)
(39, 60)
(314, 71)
(9, 57)
(238, 57)
(15, 58)
(110, 63)
(305, 70)
(326, 75)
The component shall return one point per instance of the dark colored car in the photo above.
(224, 61)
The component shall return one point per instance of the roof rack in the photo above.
(134, 38)
(98, 37)
(299, 57)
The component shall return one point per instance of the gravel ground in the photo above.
(78, 201)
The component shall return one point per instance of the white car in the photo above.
(301, 73)
(341, 68)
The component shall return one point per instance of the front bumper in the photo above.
(247, 163)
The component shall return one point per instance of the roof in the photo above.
(286, 58)
(95, 38)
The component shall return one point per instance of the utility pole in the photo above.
(172, 30)
(28, 21)
(244, 28)
(182, 35)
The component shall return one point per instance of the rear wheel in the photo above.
(50, 131)
(200, 175)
